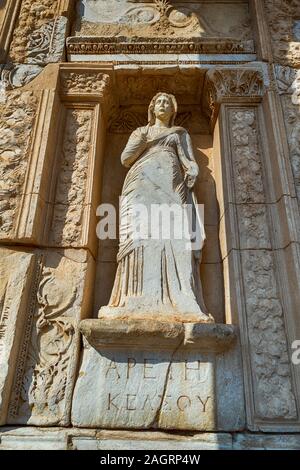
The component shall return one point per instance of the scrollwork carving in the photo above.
(39, 34)
(18, 115)
(43, 381)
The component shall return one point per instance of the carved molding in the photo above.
(139, 45)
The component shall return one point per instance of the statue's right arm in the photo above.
(135, 146)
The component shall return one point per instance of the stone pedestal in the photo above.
(147, 373)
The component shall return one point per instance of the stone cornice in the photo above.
(123, 45)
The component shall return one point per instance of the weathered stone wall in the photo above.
(76, 79)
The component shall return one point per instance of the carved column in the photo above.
(259, 232)
(52, 190)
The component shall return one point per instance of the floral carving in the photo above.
(248, 180)
(17, 122)
(283, 18)
(90, 82)
(236, 82)
(268, 346)
(69, 209)
(46, 376)
(226, 84)
(41, 394)
(125, 120)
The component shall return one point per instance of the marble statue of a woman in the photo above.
(157, 276)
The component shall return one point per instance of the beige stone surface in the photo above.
(158, 374)
(234, 68)
(46, 363)
(16, 272)
(156, 18)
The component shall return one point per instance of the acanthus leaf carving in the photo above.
(224, 84)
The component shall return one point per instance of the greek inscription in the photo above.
(147, 370)
(113, 368)
(131, 363)
(183, 402)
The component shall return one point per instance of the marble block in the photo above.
(143, 374)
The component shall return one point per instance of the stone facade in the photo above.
(76, 80)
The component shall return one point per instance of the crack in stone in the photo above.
(155, 421)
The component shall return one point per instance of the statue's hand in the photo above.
(191, 174)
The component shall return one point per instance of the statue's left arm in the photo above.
(187, 158)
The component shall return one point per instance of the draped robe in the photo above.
(157, 276)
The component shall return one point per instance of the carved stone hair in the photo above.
(151, 115)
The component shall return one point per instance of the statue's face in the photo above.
(163, 108)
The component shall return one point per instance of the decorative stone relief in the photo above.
(15, 282)
(288, 83)
(127, 119)
(80, 82)
(16, 76)
(69, 213)
(158, 45)
(160, 17)
(283, 19)
(48, 357)
(268, 346)
(271, 372)
(225, 84)
(248, 178)
(18, 114)
(136, 89)
(39, 34)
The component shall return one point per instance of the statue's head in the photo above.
(163, 105)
